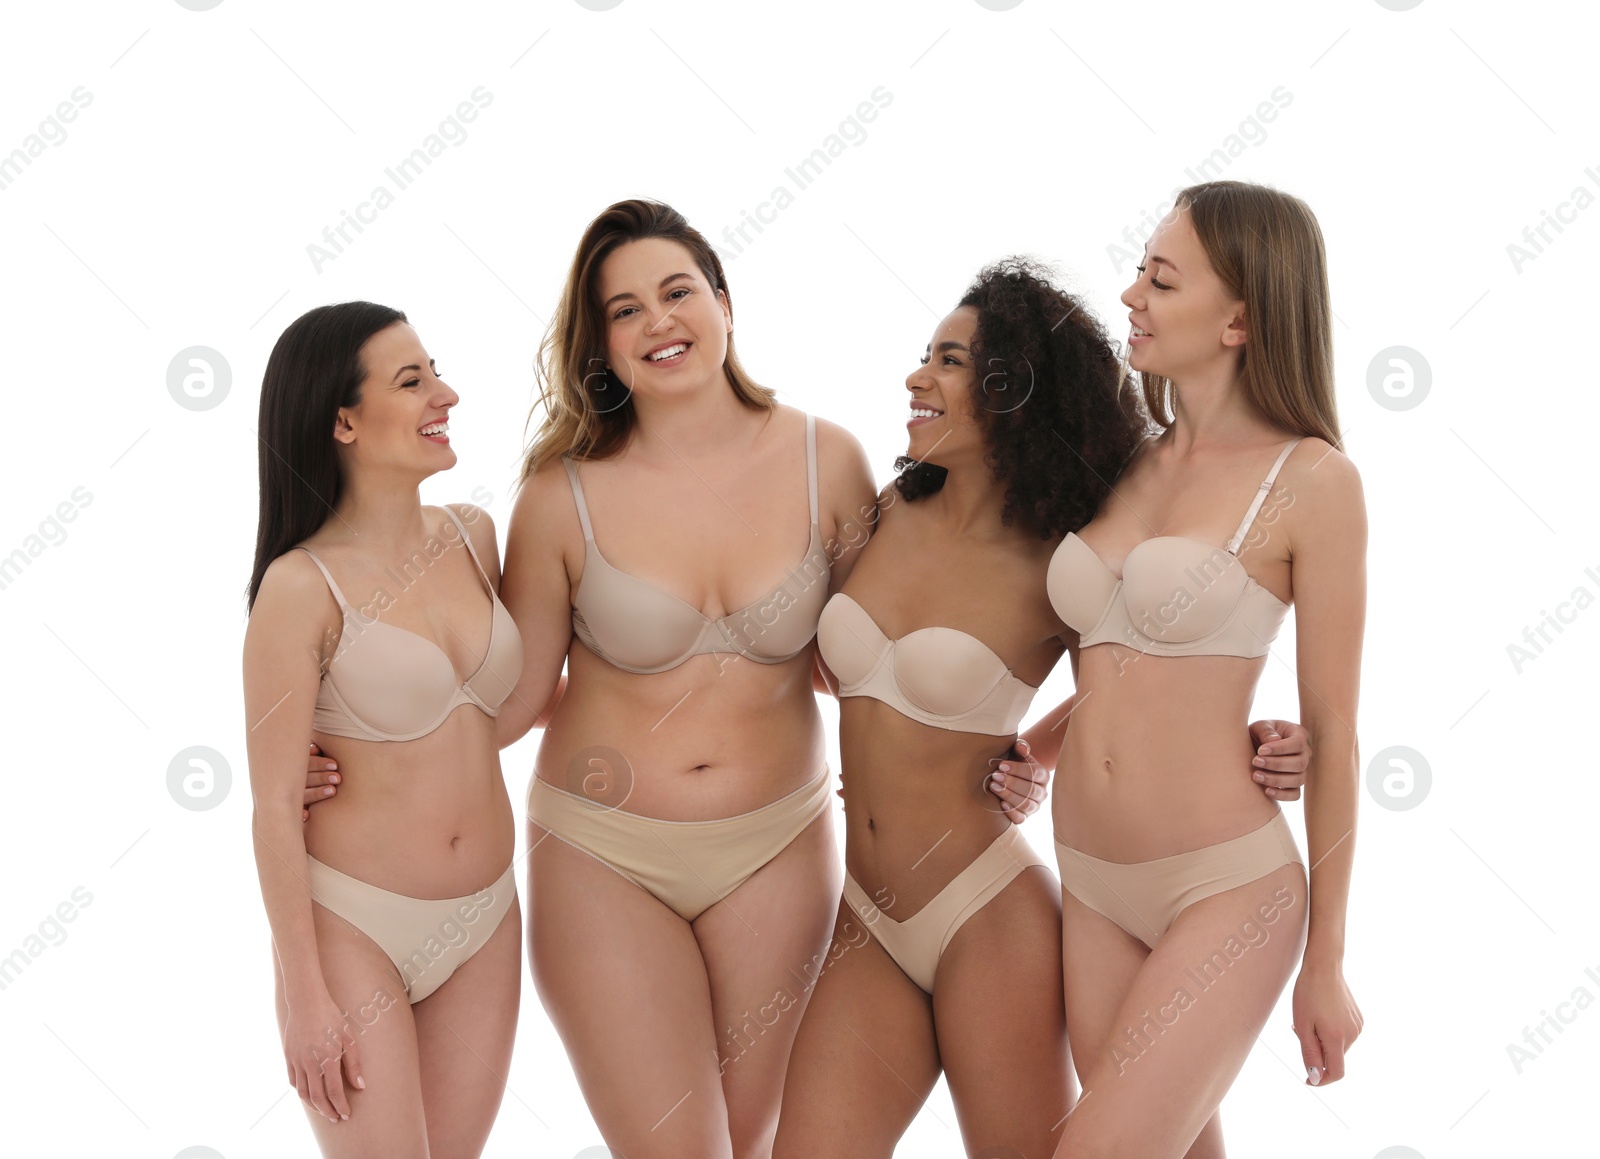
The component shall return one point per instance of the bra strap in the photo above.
(454, 518)
(577, 497)
(811, 462)
(1261, 496)
(344, 604)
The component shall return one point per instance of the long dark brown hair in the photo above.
(314, 369)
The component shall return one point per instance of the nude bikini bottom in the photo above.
(918, 943)
(688, 865)
(426, 939)
(1145, 897)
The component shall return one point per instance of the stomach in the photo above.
(917, 811)
(427, 818)
(1156, 758)
(716, 736)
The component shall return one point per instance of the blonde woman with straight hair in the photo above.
(1185, 901)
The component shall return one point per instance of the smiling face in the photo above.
(666, 328)
(1184, 319)
(944, 425)
(401, 421)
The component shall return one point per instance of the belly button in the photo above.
(1110, 768)
(870, 825)
(454, 841)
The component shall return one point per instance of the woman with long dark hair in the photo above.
(394, 914)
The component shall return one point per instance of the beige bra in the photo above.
(939, 676)
(1176, 596)
(388, 683)
(635, 626)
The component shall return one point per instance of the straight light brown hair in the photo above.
(589, 413)
(1267, 248)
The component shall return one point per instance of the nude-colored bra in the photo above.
(388, 683)
(637, 627)
(939, 676)
(1176, 597)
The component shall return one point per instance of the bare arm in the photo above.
(1328, 543)
(537, 590)
(293, 614)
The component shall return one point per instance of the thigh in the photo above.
(1002, 1030)
(1182, 1031)
(386, 1116)
(865, 1058)
(762, 945)
(464, 1034)
(1099, 963)
(621, 977)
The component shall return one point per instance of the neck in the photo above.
(1209, 408)
(381, 511)
(693, 425)
(970, 501)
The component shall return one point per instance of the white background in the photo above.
(217, 145)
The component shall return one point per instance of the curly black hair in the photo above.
(1058, 411)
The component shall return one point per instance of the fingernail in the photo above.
(327, 792)
(1000, 779)
(1004, 768)
(361, 1082)
(1258, 760)
(333, 776)
(1313, 1075)
(1260, 778)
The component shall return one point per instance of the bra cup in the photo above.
(492, 684)
(1078, 584)
(945, 672)
(642, 626)
(851, 644)
(785, 621)
(393, 684)
(1178, 590)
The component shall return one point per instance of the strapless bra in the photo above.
(939, 676)
(387, 683)
(637, 627)
(1176, 596)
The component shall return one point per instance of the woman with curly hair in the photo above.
(1020, 419)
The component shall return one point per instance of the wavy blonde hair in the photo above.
(1267, 248)
(588, 412)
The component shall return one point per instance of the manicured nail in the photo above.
(327, 792)
(1260, 778)
(1259, 761)
(1004, 768)
(1313, 1076)
(361, 1083)
(1000, 779)
(331, 768)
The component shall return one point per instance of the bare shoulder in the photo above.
(1321, 473)
(545, 508)
(294, 598)
(480, 529)
(842, 461)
